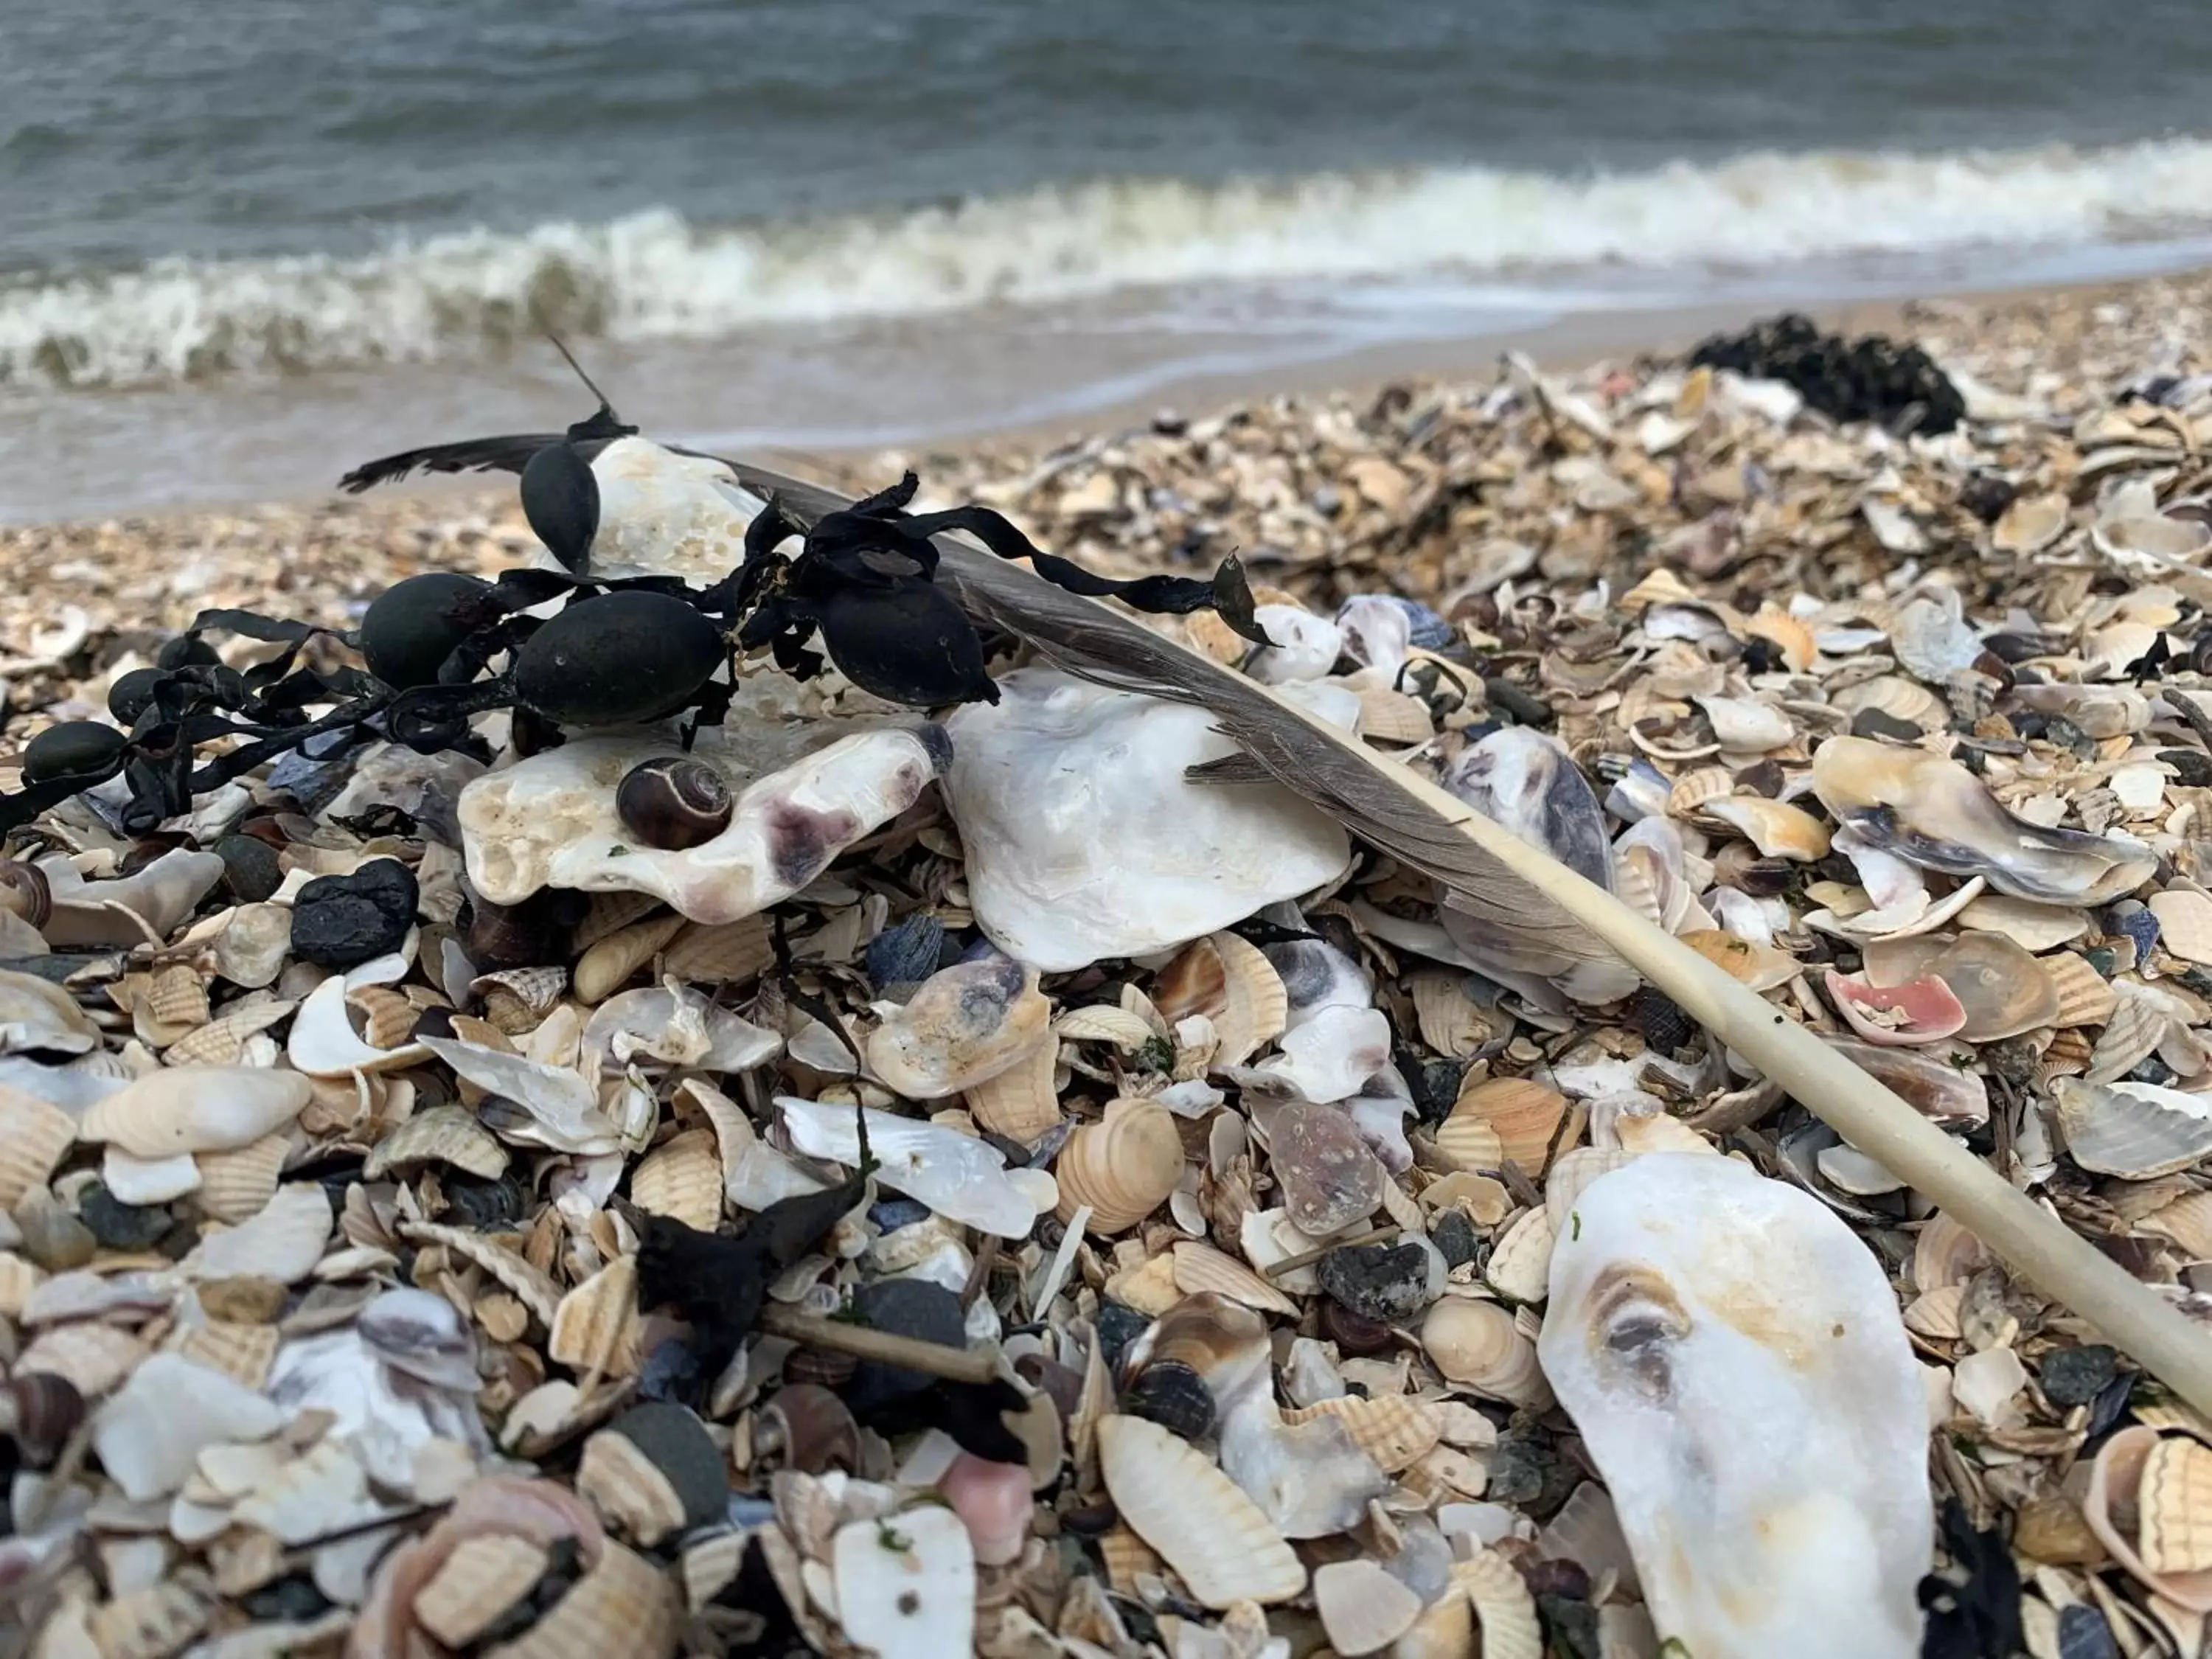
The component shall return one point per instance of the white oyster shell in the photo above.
(549, 821)
(1085, 840)
(1735, 1361)
(666, 514)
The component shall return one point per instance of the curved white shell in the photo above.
(1083, 840)
(284, 1242)
(322, 1042)
(551, 821)
(147, 1434)
(666, 514)
(960, 1177)
(195, 1108)
(1736, 1363)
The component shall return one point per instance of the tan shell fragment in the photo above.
(153, 1623)
(2029, 524)
(682, 1179)
(624, 1604)
(727, 953)
(1199, 1267)
(34, 1136)
(1199, 1522)
(536, 1292)
(1021, 1103)
(195, 1110)
(628, 1489)
(242, 1352)
(1776, 829)
(1362, 1609)
(96, 1357)
(610, 963)
(1452, 1023)
(482, 1579)
(2184, 923)
(2118, 1502)
(1520, 1265)
(176, 996)
(2135, 1130)
(1229, 979)
(594, 1329)
(1761, 967)
(517, 1000)
(237, 1186)
(1123, 1167)
(221, 1041)
(441, 1135)
(2174, 1507)
(1394, 717)
(1479, 1346)
(2086, 997)
(1528, 1118)
(1395, 1430)
(1504, 1608)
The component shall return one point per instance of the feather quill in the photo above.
(1556, 915)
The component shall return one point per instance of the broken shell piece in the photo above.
(2123, 1500)
(36, 1017)
(1123, 1167)
(549, 820)
(1776, 828)
(1699, 1310)
(1202, 1525)
(1933, 812)
(2003, 990)
(197, 1108)
(1747, 725)
(906, 1584)
(1479, 1345)
(965, 1025)
(323, 1043)
(1022, 1104)
(441, 1134)
(33, 1135)
(148, 1434)
(1526, 1115)
(993, 1502)
(1761, 967)
(1328, 1176)
(609, 962)
(1936, 1088)
(1331, 1056)
(282, 1243)
(1894, 1016)
(1395, 1430)
(959, 1176)
(1085, 839)
(595, 1327)
(1230, 982)
(1362, 1609)
(2185, 922)
(2138, 1130)
(681, 1178)
(2030, 523)
(482, 1581)
(1528, 784)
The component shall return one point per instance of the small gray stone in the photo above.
(2074, 1376)
(121, 1226)
(1388, 1282)
(1454, 1235)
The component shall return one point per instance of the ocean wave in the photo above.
(656, 276)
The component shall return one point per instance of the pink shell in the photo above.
(993, 1502)
(1922, 1011)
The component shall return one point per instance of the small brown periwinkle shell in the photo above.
(673, 802)
(807, 1428)
(24, 892)
(39, 1411)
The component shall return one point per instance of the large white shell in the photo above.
(148, 1435)
(1085, 840)
(195, 1108)
(1735, 1361)
(906, 1585)
(160, 897)
(960, 1177)
(666, 514)
(551, 821)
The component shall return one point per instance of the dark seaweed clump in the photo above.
(1873, 378)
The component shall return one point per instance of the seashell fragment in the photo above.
(2135, 1130)
(906, 1584)
(1761, 967)
(959, 1176)
(282, 1243)
(1934, 813)
(965, 1025)
(1526, 1115)
(1937, 1089)
(1072, 801)
(1328, 1176)
(1205, 1528)
(1776, 828)
(235, 1187)
(1123, 1167)
(1395, 1430)
(482, 1580)
(36, 1017)
(1362, 1609)
(1230, 982)
(1022, 1104)
(2185, 922)
(2123, 1500)
(442, 1135)
(34, 1136)
(681, 1178)
(1917, 1011)
(594, 1329)
(1479, 1345)
(148, 1434)
(195, 1110)
(1683, 1352)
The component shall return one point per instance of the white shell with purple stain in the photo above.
(1735, 1361)
(1085, 840)
(803, 792)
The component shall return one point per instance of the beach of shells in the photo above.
(1364, 1289)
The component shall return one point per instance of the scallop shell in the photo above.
(481, 1581)
(2185, 922)
(1362, 1609)
(322, 1042)
(2187, 1221)
(1230, 980)
(1104, 1022)
(1123, 1167)
(2029, 523)
(595, 1327)
(176, 996)
(1479, 1345)
(630, 1490)
(1934, 1087)
(537, 1292)
(1776, 828)
(1504, 1608)
(2120, 1488)
(516, 1000)
(727, 953)
(623, 1605)
(34, 1136)
(1021, 1103)
(1395, 1430)
(1761, 967)
(195, 1110)
(221, 1041)
(1452, 1023)
(1199, 1522)
(2139, 1022)
(2086, 997)
(242, 1352)
(237, 1186)
(1199, 1268)
(441, 1135)
(1394, 717)
(1945, 1254)
(1520, 1265)
(608, 964)
(681, 1178)
(1694, 788)
(2134, 1130)
(1528, 1118)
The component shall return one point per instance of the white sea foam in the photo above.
(655, 276)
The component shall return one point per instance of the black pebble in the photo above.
(1118, 1327)
(338, 921)
(1452, 1234)
(2192, 767)
(2074, 1376)
(250, 867)
(904, 1307)
(1986, 496)
(1174, 1396)
(473, 1202)
(288, 1600)
(1872, 723)
(1388, 1282)
(121, 1226)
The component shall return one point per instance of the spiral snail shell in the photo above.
(673, 802)
(24, 892)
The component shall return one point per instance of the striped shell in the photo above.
(1395, 1430)
(2086, 997)
(221, 1041)
(442, 1135)
(624, 1604)
(1479, 1346)
(1194, 1517)
(236, 1186)
(1520, 1265)
(1393, 717)
(1199, 1267)
(1528, 1118)
(485, 1577)
(1230, 980)
(595, 1328)
(537, 1292)
(1452, 1023)
(1021, 1103)
(1123, 1167)
(611, 963)
(730, 953)
(34, 1136)
(682, 1179)
(242, 1352)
